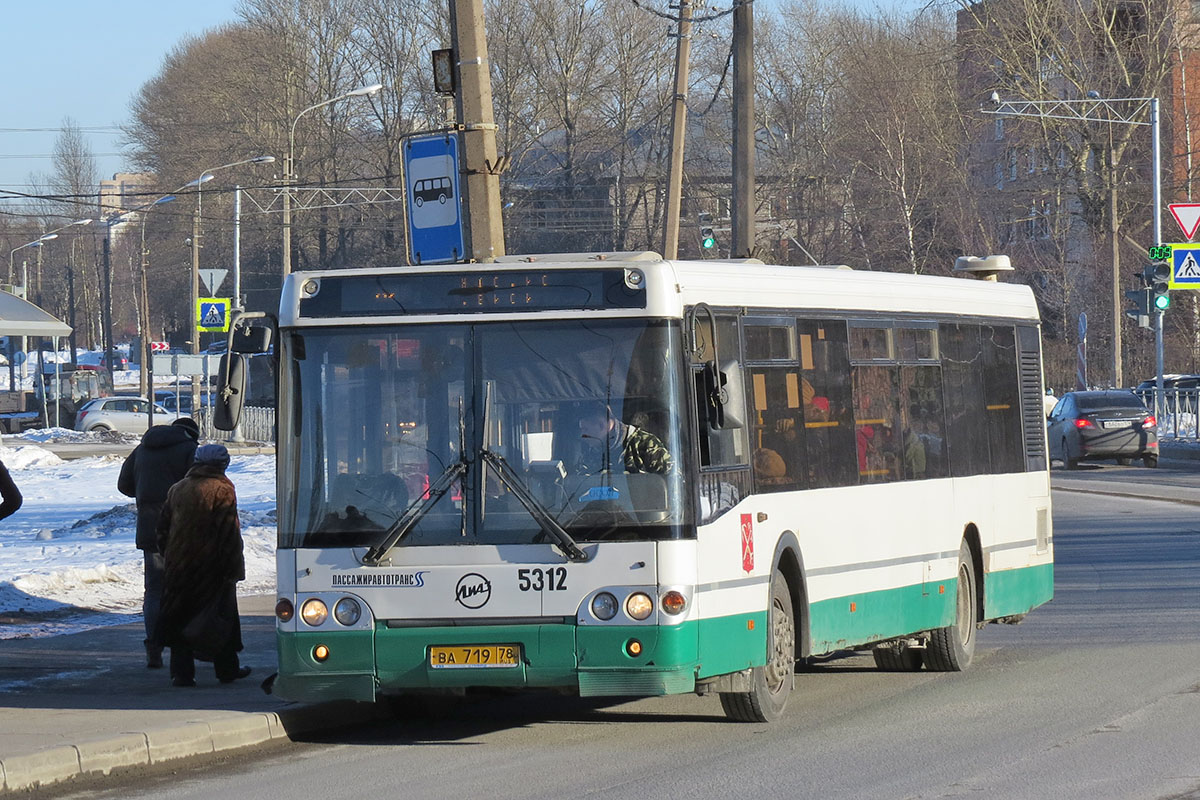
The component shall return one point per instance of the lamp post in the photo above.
(1125, 111)
(145, 373)
(38, 243)
(205, 176)
(289, 168)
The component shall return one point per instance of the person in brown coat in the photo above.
(201, 543)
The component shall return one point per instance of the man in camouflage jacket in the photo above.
(616, 442)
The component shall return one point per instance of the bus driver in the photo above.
(608, 440)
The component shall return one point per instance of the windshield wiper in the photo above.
(414, 513)
(545, 521)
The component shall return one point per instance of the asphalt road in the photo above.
(1096, 695)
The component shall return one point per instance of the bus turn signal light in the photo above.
(674, 602)
(284, 610)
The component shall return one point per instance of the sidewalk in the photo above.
(86, 703)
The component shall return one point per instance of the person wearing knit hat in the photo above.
(163, 457)
(200, 540)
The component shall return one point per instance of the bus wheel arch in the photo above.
(789, 562)
(974, 542)
(952, 648)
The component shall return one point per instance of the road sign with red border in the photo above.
(1188, 217)
(160, 347)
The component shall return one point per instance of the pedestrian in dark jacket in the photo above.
(10, 493)
(154, 466)
(201, 542)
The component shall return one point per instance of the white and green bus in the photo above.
(624, 476)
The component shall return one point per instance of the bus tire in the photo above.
(952, 648)
(898, 658)
(772, 683)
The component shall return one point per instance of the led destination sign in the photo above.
(467, 292)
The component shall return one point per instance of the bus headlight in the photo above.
(639, 605)
(604, 606)
(314, 612)
(347, 611)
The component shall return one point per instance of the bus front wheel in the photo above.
(770, 684)
(952, 648)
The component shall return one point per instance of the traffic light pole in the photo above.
(1156, 165)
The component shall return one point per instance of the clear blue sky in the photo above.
(86, 60)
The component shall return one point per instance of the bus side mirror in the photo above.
(231, 392)
(725, 393)
(250, 340)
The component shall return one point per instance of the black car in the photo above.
(1107, 424)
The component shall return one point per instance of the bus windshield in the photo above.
(577, 420)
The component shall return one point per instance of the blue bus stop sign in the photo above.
(435, 228)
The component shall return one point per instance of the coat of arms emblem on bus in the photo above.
(747, 543)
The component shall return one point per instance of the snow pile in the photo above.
(26, 456)
(68, 559)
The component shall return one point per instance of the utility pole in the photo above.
(473, 104)
(106, 303)
(683, 50)
(195, 303)
(742, 208)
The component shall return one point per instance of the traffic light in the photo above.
(708, 239)
(1139, 312)
(1158, 276)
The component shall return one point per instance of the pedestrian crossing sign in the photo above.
(212, 314)
(1185, 266)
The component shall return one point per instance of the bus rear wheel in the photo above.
(771, 684)
(898, 658)
(952, 648)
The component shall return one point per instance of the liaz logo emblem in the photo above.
(473, 590)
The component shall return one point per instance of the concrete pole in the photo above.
(683, 47)
(473, 102)
(237, 247)
(287, 218)
(195, 298)
(743, 206)
(1114, 230)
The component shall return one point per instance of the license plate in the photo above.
(475, 655)
(1117, 423)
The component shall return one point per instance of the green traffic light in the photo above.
(708, 242)
(1162, 302)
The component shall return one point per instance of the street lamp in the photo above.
(205, 176)
(1122, 110)
(35, 243)
(289, 168)
(146, 380)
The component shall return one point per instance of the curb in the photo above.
(159, 745)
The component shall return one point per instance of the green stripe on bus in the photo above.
(856, 619)
(1016, 591)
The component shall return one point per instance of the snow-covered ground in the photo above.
(67, 558)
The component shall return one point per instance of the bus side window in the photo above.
(828, 409)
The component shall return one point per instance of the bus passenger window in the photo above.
(877, 438)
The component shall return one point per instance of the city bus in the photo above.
(618, 475)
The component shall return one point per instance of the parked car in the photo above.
(97, 361)
(181, 402)
(1103, 424)
(124, 414)
(1171, 382)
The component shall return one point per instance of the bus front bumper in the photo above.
(595, 660)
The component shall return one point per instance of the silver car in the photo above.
(124, 414)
